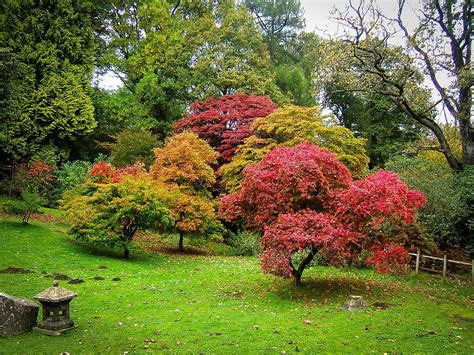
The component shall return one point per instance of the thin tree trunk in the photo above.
(181, 240)
(297, 273)
(26, 217)
(126, 251)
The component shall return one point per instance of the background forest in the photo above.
(245, 77)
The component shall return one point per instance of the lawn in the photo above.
(222, 304)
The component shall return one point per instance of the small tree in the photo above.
(30, 202)
(184, 164)
(111, 213)
(33, 181)
(303, 200)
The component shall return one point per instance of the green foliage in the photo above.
(131, 146)
(447, 211)
(295, 84)
(70, 175)
(245, 243)
(31, 201)
(386, 128)
(279, 20)
(169, 55)
(111, 213)
(47, 95)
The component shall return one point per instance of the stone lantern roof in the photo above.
(55, 294)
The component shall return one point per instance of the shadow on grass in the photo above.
(19, 226)
(136, 254)
(327, 290)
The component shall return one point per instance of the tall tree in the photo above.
(387, 130)
(279, 20)
(49, 47)
(440, 43)
(172, 54)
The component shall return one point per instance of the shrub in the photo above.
(131, 146)
(33, 182)
(449, 198)
(245, 243)
(70, 175)
(30, 202)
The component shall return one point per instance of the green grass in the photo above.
(222, 304)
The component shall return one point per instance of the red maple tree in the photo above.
(224, 122)
(304, 200)
(286, 180)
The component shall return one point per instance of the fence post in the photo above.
(445, 265)
(417, 265)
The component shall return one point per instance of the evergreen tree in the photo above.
(48, 55)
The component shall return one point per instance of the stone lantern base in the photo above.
(53, 332)
(355, 303)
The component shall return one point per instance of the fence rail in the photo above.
(445, 261)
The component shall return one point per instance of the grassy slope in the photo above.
(225, 304)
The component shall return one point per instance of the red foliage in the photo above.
(131, 170)
(389, 258)
(104, 172)
(286, 180)
(41, 169)
(381, 197)
(224, 122)
(304, 230)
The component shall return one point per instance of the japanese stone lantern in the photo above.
(55, 301)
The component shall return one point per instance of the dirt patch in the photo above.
(464, 319)
(98, 278)
(381, 305)
(15, 270)
(44, 217)
(76, 281)
(61, 277)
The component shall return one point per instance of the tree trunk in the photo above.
(181, 239)
(26, 217)
(467, 138)
(126, 252)
(297, 273)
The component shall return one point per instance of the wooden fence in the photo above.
(418, 265)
